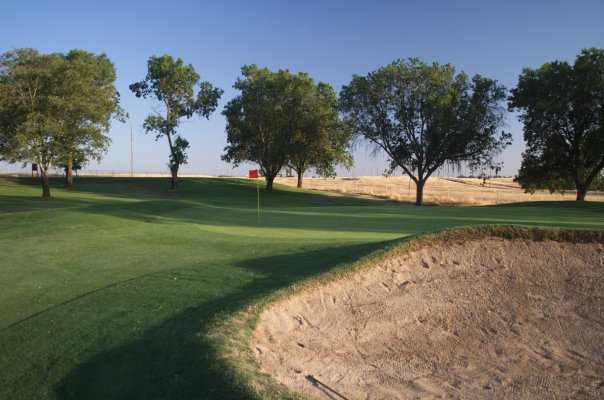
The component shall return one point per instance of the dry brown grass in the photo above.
(438, 190)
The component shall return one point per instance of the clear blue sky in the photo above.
(329, 39)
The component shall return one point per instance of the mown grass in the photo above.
(118, 290)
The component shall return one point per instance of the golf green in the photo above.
(109, 291)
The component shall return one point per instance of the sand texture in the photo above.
(491, 318)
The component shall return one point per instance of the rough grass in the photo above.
(122, 289)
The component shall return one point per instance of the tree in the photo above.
(562, 110)
(89, 100)
(172, 83)
(31, 124)
(70, 162)
(320, 139)
(261, 119)
(54, 106)
(425, 116)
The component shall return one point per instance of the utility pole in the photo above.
(131, 152)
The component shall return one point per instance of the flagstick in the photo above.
(258, 197)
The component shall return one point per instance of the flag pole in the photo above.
(131, 152)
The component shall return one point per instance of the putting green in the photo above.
(109, 291)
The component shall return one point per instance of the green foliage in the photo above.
(179, 151)
(319, 139)
(562, 110)
(53, 106)
(260, 118)
(90, 101)
(31, 114)
(424, 116)
(76, 161)
(172, 83)
(281, 118)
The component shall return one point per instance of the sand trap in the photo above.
(491, 318)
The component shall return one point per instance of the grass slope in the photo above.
(110, 291)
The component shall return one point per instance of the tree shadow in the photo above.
(388, 219)
(228, 202)
(210, 188)
(218, 192)
(176, 359)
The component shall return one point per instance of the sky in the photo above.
(331, 40)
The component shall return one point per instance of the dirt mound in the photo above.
(492, 318)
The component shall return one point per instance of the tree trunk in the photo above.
(581, 192)
(45, 184)
(69, 172)
(300, 179)
(419, 192)
(174, 181)
(269, 181)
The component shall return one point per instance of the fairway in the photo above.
(109, 291)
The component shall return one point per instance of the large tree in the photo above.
(172, 84)
(31, 118)
(424, 116)
(261, 119)
(562, 109)
(88, 100)
(319, 139)
(53, 106)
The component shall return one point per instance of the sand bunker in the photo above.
(491, 318)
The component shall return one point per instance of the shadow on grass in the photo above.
(232, 202)
(231, 192)
(389, 219)
(176, 359)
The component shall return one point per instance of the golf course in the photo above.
(314, 200)
(118, 290)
